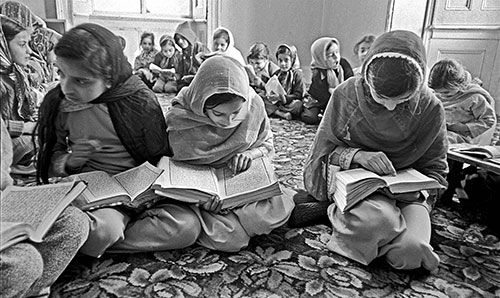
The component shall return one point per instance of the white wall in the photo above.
(301, 22)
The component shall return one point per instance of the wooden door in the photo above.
(467, 30)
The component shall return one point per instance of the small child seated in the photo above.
(290, 77)
(192, 53)
(167, 61)
(329, 69)
(470, 110)
(262, 67)
(147, 55)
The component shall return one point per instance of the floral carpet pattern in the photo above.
(294, 262)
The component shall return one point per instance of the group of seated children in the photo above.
(170, 69)
(102, 117)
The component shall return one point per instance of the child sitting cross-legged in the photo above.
(290, 77)
(167, 61)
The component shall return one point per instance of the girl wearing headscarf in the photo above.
(192, 52)
(101, 117)
(220, 121)
(18, 101)
(223, 42)
(383, 121)
(290, 76)
(329, 69)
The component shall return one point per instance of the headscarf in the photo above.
(230, 51)
(318, 53)
(22, 106)
(286, 77)
(412, 135)
(21, 14)
(134, 110)
(193, 135)
(43, 40)
(184, 29)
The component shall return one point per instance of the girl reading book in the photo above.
(101, 117)
(383, 121)
(220, 121)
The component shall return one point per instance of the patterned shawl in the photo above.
(21, 14)
(43, 40)
(134, 110)
(412, 135)
(22, 105)
(318, 52)
(194, 137)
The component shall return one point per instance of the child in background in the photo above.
(223, 42)
(147, 55)
(361, 49)
(192, 52)
(329, 69)
(470, 110)
(167, 60)
(123, 42)
(262, 67)
(219, 121)
(101, 117)
(290, 77)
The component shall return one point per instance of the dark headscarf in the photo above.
(134, 110)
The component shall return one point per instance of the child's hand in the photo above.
(376, 162)
(81, 151)
(240, 163)
(213, 205)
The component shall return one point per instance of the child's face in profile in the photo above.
(182, 42)
(446, 93)
(224, 114)
(284, 62)
(19, 49)
(77, 84)
(168, 50)
(363, 50)
(220, 44)
(147, 44)
(333, 56)
(258, 64)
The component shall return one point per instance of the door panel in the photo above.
(469, 31)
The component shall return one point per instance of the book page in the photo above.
(409, 180)
(182, 175)
(100, 185)
(138, 179)
(33, 205)
(350, 177)
(259, 175)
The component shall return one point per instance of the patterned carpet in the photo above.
(294, 262)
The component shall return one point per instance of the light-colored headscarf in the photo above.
(318, 53)
(412, 135)
(230, 51)
(194, 137)
(23, 103)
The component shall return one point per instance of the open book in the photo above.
(484, 151)
(29, 212)
(352, 186)
(198, 184)
(273, 87)
(130, 188)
